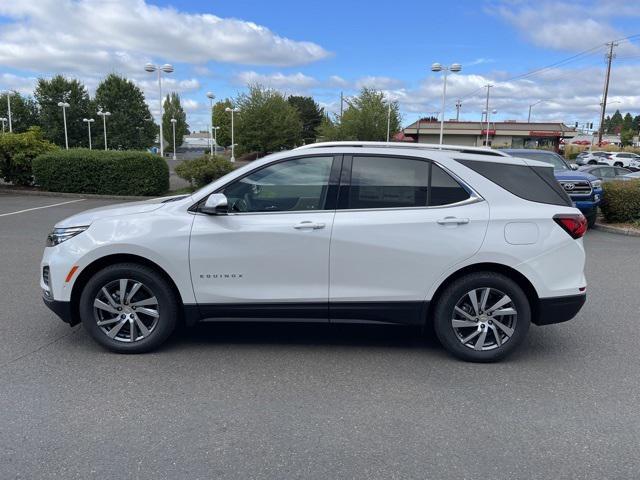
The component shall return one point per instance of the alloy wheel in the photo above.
(126, 310)
(484, 319)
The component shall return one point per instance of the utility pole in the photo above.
(611, 45)
(341, 100)
(458, 106)
(487, 110)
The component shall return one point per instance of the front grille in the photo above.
(45, 275)
(578, 187)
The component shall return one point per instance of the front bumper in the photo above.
(62, 310)
(558, 309)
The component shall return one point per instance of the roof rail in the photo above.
(419, 146)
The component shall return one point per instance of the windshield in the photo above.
(551, 158)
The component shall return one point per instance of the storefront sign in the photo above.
(535, 133)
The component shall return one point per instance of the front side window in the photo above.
(390, 182)
(294, 185)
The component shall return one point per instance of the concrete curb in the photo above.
(631, 232)
(38, 193)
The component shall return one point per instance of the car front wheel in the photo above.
(482, 317)
(128, 308)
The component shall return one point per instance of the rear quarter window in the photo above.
(536, 184)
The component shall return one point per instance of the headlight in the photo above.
(596, 183)
(60, 235)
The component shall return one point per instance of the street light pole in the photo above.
(211, 96)
(488, 114)
(437, 67)
(9, 110)
(64, 106)
(486, 143)
(166, 68)
(3, 119)
(530, 106)
(89, 121)
(389, 121)
(104, 116)
(233, 143)
(215, 138)
(173, 124)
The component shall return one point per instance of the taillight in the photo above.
(575, 224)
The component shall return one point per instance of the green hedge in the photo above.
(17, 151)
(203, 170)
(105, 172)
(621, 201)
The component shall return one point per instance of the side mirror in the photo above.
(216, 204)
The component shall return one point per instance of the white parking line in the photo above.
(38, 208)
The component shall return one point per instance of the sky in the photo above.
(530, 50)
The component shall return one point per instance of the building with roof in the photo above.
(507, 134)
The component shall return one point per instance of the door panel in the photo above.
(273, 246)
(261, 257)
(396, 255)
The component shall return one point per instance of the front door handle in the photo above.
(308, 225)
(452, 221)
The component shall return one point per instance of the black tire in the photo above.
(592, 162)
(167, 307)
(618, 164)
(444, 311)
(591, 220)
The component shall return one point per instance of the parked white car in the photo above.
(621, 159)
(479, 243)
(591, 158)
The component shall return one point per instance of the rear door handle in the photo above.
(308, 225)
(452, 221)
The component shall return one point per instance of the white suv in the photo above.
(621, 159)
(474, 242)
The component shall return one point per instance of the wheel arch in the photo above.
(112, 259)
(522, 281)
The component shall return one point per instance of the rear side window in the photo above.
(536, 184)
(392, 182)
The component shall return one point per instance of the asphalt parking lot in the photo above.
(314, 401)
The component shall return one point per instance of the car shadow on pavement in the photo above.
(306, 334)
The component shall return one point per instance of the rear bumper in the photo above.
(62, 310)
(558, 309)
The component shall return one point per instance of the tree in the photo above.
(222, 119)
(173, 109)
(130, 125)
(615, 124)
(627, 122)
(365, 118)
(626, 137)
(24, 112)
(636, 123)
(48, 93)
(266, 121)
(311, 115)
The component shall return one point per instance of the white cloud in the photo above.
(567, 26)
(23, 85)
(296, 81)
(380, 83)
(337, 81)
(569, 94)
(82, 36)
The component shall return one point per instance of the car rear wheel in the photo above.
(128, 308)
(592, 162)
(617, 164)
(482, 317)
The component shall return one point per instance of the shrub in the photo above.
(17, 151)
(203, 170)
(104, 172)
(621, 201)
